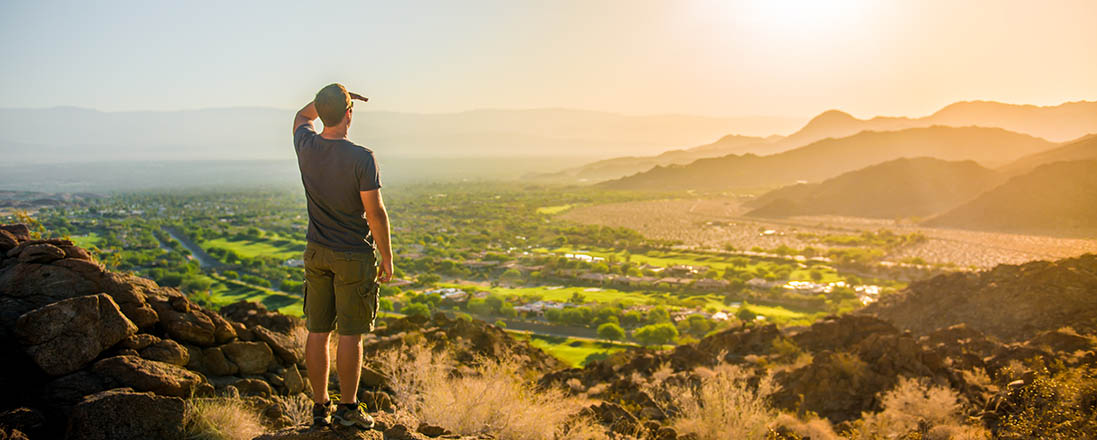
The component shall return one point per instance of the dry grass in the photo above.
(490, 398)
(298, 407)
(724, 405)
(220, 419)
(914, 406)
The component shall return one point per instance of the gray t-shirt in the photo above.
(334, 172)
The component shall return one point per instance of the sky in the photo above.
(722, 58)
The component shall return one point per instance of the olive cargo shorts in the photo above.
(340, 287)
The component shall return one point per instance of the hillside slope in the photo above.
(832, 157)
(1012, 303)
(1061, 196)
(898, 188)
(1084, 148)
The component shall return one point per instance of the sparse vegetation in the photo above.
(220, 419)
(491, 398)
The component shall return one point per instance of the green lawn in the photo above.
(225, 291)
(574, 352)
(87, 240)
(776, 314)
(252, 249)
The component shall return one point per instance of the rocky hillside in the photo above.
(1012, 303)
(916, 187)
(1060, 197)
(95, 354)
(92, 354)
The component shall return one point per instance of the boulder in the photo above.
(145, 375)
(28, 286)
(216, 364)
(223, 331)
(122, 414)
(18, 230)
(185, 322)
(167, 351)
(253, 387)
(614, 417)
(67, 391)
(253, 314)
(138, 341)
(130, 292)
(66, 335)
(7, 242)
(251, 357)
(294, 382)
(27, 420)
(38, 253)
(285, 346)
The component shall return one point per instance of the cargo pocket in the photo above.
(369, 294)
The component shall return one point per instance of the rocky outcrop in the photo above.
(122, 414)
(145, 375)
(1010, 302)
(64, 336)
(70, 330)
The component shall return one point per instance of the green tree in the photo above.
(656, 334)
(416, 309)
(611, 332)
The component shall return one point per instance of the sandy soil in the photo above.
(715, 223)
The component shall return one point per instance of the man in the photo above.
(341, 272)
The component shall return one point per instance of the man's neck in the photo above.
(334, 133)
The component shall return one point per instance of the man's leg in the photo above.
(318, 364)
(348, 364)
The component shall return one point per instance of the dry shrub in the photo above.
(489, 398)
(914, 406)
(297, 407)
(724, 406)
(220, 419)
(814, 428)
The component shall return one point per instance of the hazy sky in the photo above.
(771, 57)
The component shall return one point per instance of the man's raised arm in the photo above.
(306, 115)
(378, 220)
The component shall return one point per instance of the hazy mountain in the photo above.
(1084, 148)
(75, 134)
(1061, 196)
(623, 166)
(830, 157)
(898, 188)
(1057, 123)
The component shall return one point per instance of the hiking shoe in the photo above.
(350, 414)
(321, 414)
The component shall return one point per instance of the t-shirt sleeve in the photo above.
(301, 135)
(369, 178)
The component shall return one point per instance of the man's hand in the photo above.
(378, 219)
(357, 97)
(384, 271)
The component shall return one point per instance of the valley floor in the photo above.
(715, 223)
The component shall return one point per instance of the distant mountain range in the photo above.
(1080, 149)
(1060, 196)
(1056, 123)
(77, 134)
(895, 189)
(831, 157)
